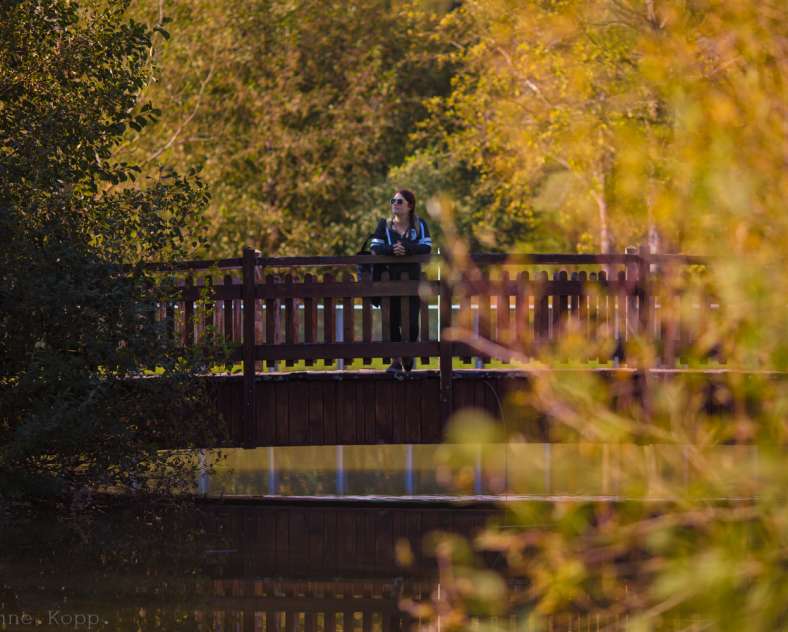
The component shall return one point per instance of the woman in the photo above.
(402, 235)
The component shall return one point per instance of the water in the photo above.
(500, 472)
(328, 539)
(296, 567)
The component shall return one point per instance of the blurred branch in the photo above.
(185, 121)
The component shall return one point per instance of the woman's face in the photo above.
(400, 207)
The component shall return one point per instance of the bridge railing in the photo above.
(271, 310)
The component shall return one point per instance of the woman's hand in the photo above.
(398, 249)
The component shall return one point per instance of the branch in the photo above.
(186, 121)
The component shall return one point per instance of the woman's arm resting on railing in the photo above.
(379, 244)
(424, 244)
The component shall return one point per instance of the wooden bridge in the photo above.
(311, 344)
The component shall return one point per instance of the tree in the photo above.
(697, 535)
(542, 92)
(74, 325)
(294, 112)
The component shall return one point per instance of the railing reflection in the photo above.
(497, 471)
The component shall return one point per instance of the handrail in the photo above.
(478, 258)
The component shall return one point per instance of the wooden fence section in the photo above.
(268, 311)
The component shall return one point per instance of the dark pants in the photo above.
(395, 324)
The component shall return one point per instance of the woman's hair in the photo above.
(411, 198)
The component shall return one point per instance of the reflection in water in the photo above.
(220, 567)
(514, 470)
(301, 565)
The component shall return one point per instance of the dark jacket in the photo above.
(417, 241)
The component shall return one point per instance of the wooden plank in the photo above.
(290, 316)
(282, 428)
(404, 311)
(465, 317)
(249, 421)
(383, 415)
(316, 548)
(310, 317)
(310, 622)
(384, 541)
(446, 350)
(622, 327)
(555, 314)
(298, 395)
(521, 309)
(346, 422)
(266, 415)
(385, 315)
(504, 334)
(366, 324)
(271, 314)
(485, 324)
(355, 289)
(424, 317)
(188, 316)
(582, 307)
(330, 411)
(227, 306)
(574, 306)
(348, 315)
(412, 420)
(169, 317)
(329, 320)
(369, 430)
(237, 321)
(398, 412)
(315, 428)
(542, 311)
(433, 417)
(207, 314)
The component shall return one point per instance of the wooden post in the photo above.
(646, 307)
(249, 420)
(445, 349)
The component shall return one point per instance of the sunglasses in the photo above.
(397, 201)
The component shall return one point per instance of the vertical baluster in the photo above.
(582, 307)
(208, 313)
(521, 311)
(574, 305)
(348, 315)
(228, 317)
(542, 309)
(290, 321)
(604, 307)
(504, 335)
(271, 315)
(310, 314)
(366, 321)
(465, 317)
(424, 317)
(485, 320)
(188, 312)
(385, 315)
(404, 311)
(329, 319)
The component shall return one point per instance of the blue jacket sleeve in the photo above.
(423, 243)
(379, 244)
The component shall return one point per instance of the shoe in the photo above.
(395, 368)
(407, 364)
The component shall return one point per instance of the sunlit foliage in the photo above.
(682, 107)
(74, 327)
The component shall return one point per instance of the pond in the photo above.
(296, 539)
